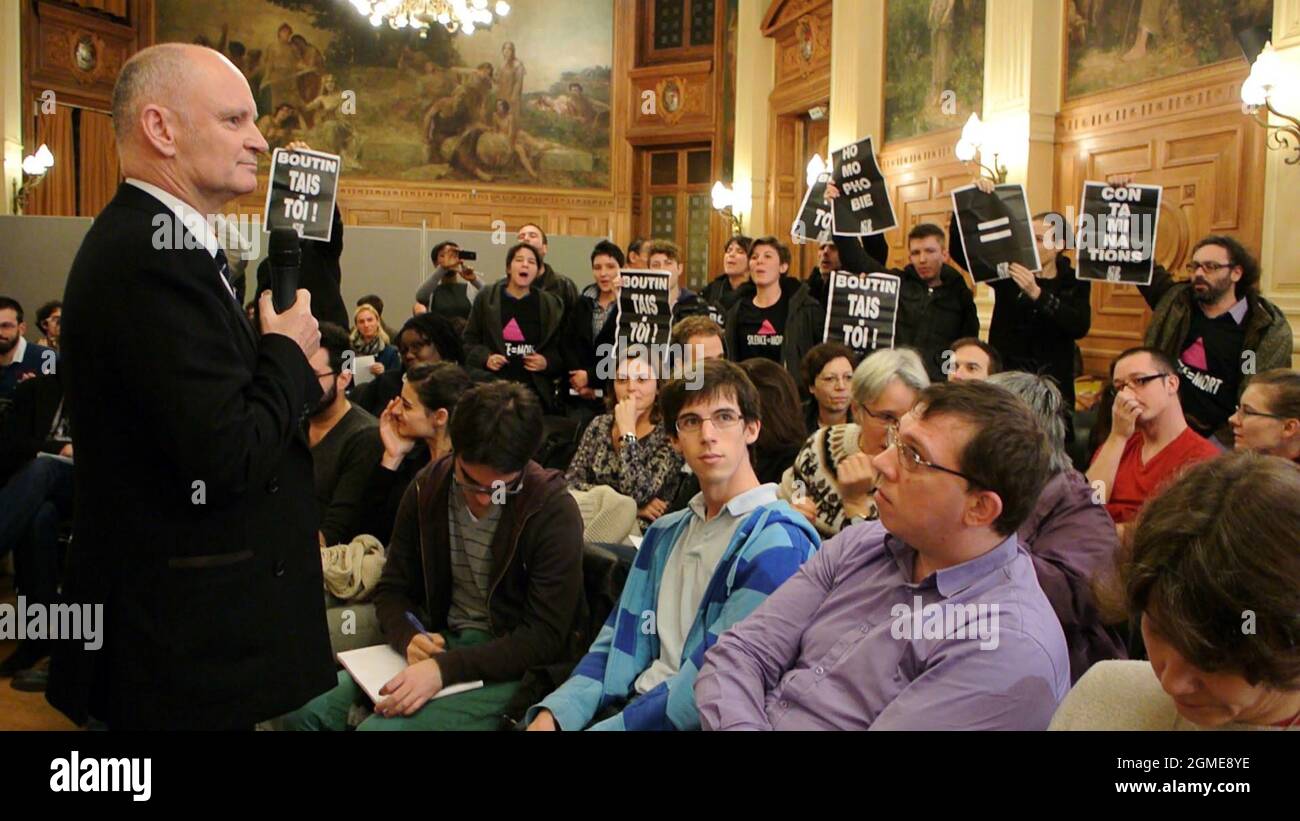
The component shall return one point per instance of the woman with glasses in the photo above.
(1268, 418)
(627, 449)
(832, 477)
(829, 370)
(423, 340)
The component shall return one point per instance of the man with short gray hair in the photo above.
(194, 510)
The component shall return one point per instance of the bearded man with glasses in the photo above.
(1150, 442)
(1217, 329)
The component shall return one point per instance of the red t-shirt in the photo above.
(1135, 481)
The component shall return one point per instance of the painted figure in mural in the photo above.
(521, 142)
(580, 106)
(510, 78)
(282, 127)
(311, 68)
(333, 132)
(1152, 23)
(941, 25)
(460, 115)
(280, 69)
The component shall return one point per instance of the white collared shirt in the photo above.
(195, 221)
(687, 574)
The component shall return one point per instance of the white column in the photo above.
(1279, 252)
(857, 71)
(755, 76)
(11, 109)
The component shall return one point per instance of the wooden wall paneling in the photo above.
(696, 112)
(1186, 133)
(74, 53)
(921, 173)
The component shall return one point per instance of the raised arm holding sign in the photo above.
(995, 230)
(1117, 232)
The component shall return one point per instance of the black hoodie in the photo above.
(805, 319)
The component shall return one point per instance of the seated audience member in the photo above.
(35, 496)
(19, 359)
(774, 316)
(376, 301)
(1070, 537)
(698, 339)
(592, 324)
(636, 256)
(370, 339)
(829, 367)
(1207, 324)
(627, 448)
(721, 292)
(833, 476)
(495, 598)
(49, 318)
(664, 255)
(935, 305)
(344, 442)
(414, 432)
(783, 433)
(1197, 562)
(1149, 440)
(515, 328)
(1268, 418)
(972, 359)
(698, 572)
(548, 279)
(423, 340)
(929, 619)
(451, 288)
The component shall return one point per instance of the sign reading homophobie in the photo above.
(304, 186)
(995, 231)
(1117, 232)
(863, 207)
(863, 311)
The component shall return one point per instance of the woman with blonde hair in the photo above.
(370, 339)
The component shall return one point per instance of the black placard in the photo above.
(995, 230)
(644, 317)
(304, 185)
(863, 310)
(1116, 237)
(863, 207)
(814, 222)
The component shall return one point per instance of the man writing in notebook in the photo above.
(486, 554)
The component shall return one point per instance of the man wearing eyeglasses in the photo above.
(1217, 329)
(483, 579)
(930, 618)
(1150, 441)
(699, 570)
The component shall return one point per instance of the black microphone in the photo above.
(285, 259)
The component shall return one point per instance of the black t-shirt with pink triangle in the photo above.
(521, 331)
(761, 331)
(1209, 370)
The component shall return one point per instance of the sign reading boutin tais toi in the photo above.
(863, 312)
(304, 185)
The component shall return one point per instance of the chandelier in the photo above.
(455, 15)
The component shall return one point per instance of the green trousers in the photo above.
(478, 709)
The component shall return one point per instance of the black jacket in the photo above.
(553, 282)
(929, 321)
(720, 293)
(804, 324)
(26, 427)
(195, 513)
(483, 337)
(1038, 336)
(536, 607)
(320, 274)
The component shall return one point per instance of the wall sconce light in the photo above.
(974, 135)
(816, 167)
(1256, 94)
(34, 168)
(724, 202)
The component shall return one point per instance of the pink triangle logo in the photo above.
(511, 332)
(1195, 355)
(766, 329)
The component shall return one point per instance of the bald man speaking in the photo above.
(195, 522)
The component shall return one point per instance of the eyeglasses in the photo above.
(461, 478)
(722, 420)
(1135, 382)
(1247, 410)
(1210, 267)
(884, 416)
(911, 459)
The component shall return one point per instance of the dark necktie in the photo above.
(226, 273)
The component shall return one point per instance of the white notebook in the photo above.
(373, 667)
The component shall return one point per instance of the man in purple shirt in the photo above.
(931, 618)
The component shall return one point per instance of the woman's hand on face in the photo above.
(395, 444)
(625, 417)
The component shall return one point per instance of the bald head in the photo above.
(185, 120)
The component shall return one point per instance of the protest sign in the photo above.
(301, 194)
(995, 231)
(813, 223)
(643, 314)
(862, 310)
(863, 207)
(1117, 232)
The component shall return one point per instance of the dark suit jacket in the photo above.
(195, 515)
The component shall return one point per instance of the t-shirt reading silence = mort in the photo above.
(761, 331)
(1135, 482)
(1209, 368)
(521, 331)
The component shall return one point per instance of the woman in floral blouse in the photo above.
(628, 449)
